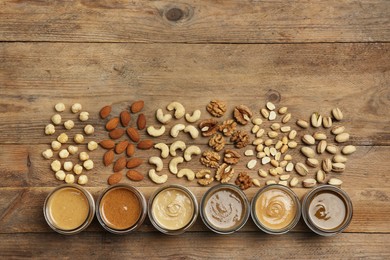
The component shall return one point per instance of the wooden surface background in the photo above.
(307, 55)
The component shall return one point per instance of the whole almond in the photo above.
(107, 144)
(137, 106)
(145, 144)
(320, 176)
(134, 163)
(134, 175)
(120, 164)
(116, 133)
(105, 111)
(141, 121)
(133, 134)
(125, 118)
(108, 157)
(121, 147)
(112, 123)
(114, 178)
(308, 183)
(130, 150)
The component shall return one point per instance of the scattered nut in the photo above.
(265, 113)
(257, 121)
(301, 169)
(319, 136)
(256, 182)
(312, 162)
(321, 146)
(84, 116)
(62, 138)
(208, 127)
(205, 177)
(309, 183)
(231, 156)
(339, 159)
(83, 156)
(272, 116)
(286, 118)
(224, 173)
(292, 134)
(210, 159)
(320, 176)
(92, 145)
(76, 108)
(243, 181)
(77, 169)
(50, 129)
(270, 106)
(338, 167)
(63, 154)
(163, 119)
(327, 122)
(157, 162)
(176, 145)
(186, 172)
(327, 165)
(240, 139)
(262, 173)
(78, 138)
(331, 148)
(164, 149)
(308, 139)
(242, 114)
(156, 178)
(68, 166)
(302, 123)
(88, 165)
(270, 182)
(335, 182)
(59, 107)
(173, 164)
(282, 110)
(251, 164)
(338, 129)
(60, 175)
(308, 152)
(217, 142)
(294, 182)
(56, 119)
(191, 150)
(105, 111)
(69, 124)
(83, 179)
(337, 114)
(89, 129)
(152, 131)
(316, 120)
(216, 108)
(194, 117)
(249, 153)
(73, 149)
(349, 149)
(342, 138)
(55, 165)
(194, 133)
(178, 108)
(47, 154)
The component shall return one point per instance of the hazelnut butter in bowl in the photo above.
(327, 210)
(275, 209)
(224, 209)
(173, 209)
(121, 209)
(69, 209)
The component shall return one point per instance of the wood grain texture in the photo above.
(201, 21)
(304, 77)
(195, 245)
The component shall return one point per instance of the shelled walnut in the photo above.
(240, 139)
(243, 181)
(224, 173)
(210, 159)
(204, 177)
(216, 108)
(228, 127)
(217, 142)
(242, 114)
(231, 156)
(208, 127)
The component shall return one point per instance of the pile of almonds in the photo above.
(124, 149)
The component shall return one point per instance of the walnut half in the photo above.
(242, 114)
(240, 139)
(228, 127)
(224, 173)
(216, 108)
(231, 156)
(208, 127)
(210, 159)
(217, 142)
(243, 181)
(204, 177)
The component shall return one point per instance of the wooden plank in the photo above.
(155, 246)
(231, 21)
(21, 210)
(304, 77)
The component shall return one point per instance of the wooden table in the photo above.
(307, 55)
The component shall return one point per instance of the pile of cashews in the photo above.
(188, 152)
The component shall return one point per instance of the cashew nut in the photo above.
(176, 145)
(176, 129)
(194, 117)
(186, 172)
(157, 178)
(152, 131)
(192, 130)
(179, 109)
(173, 164)
(156, 161)
(163, 119)
(193, 149)
(164, 149)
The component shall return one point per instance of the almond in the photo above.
(120, 164)
(134, 175)
(114, 178)
(108, 157)
(137, 106)
(116, 133)
(133, 163)
(121, 147)
(133, 134)
(141, 121)
(130, 149)
(145, 144)
(107, 144)
(125, 118)
(112, 123)
(105, 111)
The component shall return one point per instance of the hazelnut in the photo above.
(47, 154)
(78, 138)
(55, 165)
(69, 124)
(72, 149)
(88, 165)
(50, 129)
(92, 145)
(88, 129)
(69, 178)
(83, 156)
(55, 145)
(56, 119)
(83, 179)
(62, 138)
(63, 153)
(59, 107)
(84, 116)
(76, 108)
(60, 175)
(77, 169)
(68, 166)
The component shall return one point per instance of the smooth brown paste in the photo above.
(172, 209)
(275, 209)
(120, 208)
(224, 209)
(327, 210)
(68, 208)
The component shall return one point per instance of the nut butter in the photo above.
(69, 209)
(224, 209)
(173, 209)
(327, 210)
(275, 209)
